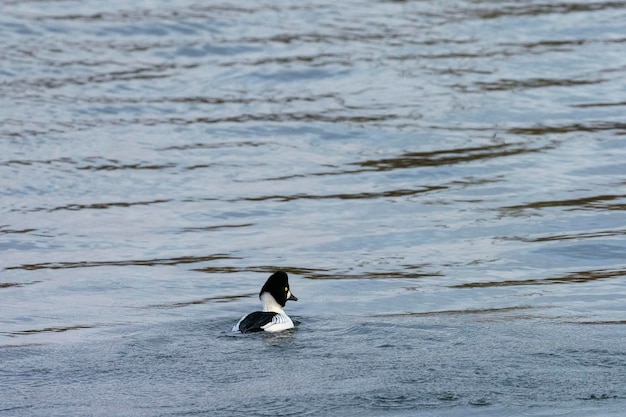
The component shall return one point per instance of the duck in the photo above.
(274, 295)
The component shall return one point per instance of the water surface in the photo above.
(444, 182)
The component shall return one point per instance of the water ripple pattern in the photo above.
(445, 183)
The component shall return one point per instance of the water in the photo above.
(444, 182)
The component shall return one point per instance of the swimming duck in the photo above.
(274, 294)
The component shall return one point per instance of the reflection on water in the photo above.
(574, 277)
(134, 262)
(450, 156)
(444, 183)
(596, 202)
(478, 311)
(50, 329)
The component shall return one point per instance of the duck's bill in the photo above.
(292, 297)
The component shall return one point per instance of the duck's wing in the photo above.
(254, 322)
(279, 323)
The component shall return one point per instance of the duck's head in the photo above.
(278, 286)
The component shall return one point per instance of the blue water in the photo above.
(444, 182)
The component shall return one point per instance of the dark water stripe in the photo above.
(28, 162)
(451, 156)
(510, 84)
(277, 117)
(219, 145)
(14, 231)
(463, 182)
(84, 124)
(558, 44)
(406, 160)
(394, 119)
(49, 330)
(221, 299)
(376, 275)
(133, 262)
(103, 164)
(217, 227)
(96, 206)
(600, 104)
(511, 10)
(583, 203)
(589, 126)
(266, 269)
(571, 278)
(459, 312)
(17, 284)
(536, 129)
(346, 196)
(115, 167)
(138, 15)
(569, 236)
(317, 60)
(411, 272)
(208, 100)
(10, 284)
(144, 73)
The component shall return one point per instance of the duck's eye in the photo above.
(286, 289)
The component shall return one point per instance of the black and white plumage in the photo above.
(274, 296)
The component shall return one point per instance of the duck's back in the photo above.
(259, 321)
